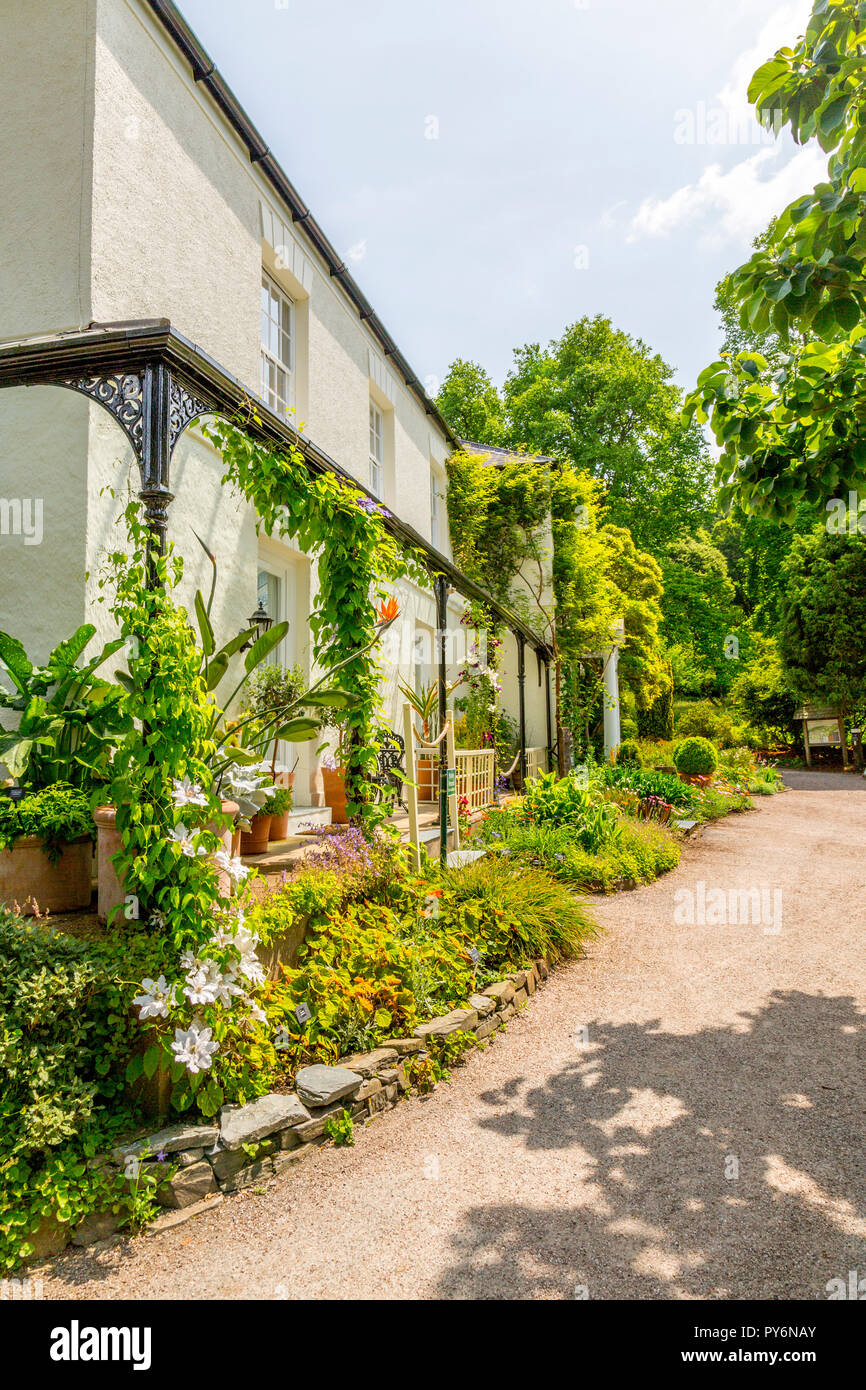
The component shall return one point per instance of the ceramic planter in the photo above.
(335, 794)
(112, 893)
(28, 877)
(255, 840)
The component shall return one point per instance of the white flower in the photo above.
(157, 999)
(187, 793)
(258, 1015)
(232, 865)
(157, 919)
(251, 968)
(190, 842)
(193, 1048)
(204, 982)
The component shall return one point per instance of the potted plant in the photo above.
(274, 690)
(334, 780)
(46, 849)
(278, 806)
(424, 700)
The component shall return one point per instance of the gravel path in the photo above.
(559, 1160)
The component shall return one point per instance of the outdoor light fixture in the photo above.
(261, 621)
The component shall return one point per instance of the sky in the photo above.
(492, 170)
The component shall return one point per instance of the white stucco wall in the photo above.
(46, 82)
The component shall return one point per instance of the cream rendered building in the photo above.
(134, 188)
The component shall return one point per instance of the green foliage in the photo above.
(515, 916)
(822, 637)
(471, 404)
(638, 582)
(640, 852)
(65, 1033)
(762, 693)
(69, 718)
(699, 613)
(790, 424)
(279, 802)
(604, 402)
(565, 802)
(371, 969)
(56, 815)
(645, 783)
(696, 757)
(628, 754)
(356, 557)
(703, 719)
(340, 1129)
(656, 720)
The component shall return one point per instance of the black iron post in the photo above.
(521, 682)
(156, 454)
(441, 624)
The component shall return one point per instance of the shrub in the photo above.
(521, 912)
(696, 757)
(639, 855)
(628, 754)
(66, 1031)
(565, 802)
(57, 815)
(645, 782)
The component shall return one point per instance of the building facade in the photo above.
(134, 190)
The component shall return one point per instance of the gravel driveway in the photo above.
(679, 1115)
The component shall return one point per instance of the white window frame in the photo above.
(377, 450)
(272, 361)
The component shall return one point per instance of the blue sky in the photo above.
(494, 169)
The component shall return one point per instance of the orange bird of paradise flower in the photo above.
(388, 610)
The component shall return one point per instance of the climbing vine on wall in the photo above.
(339, 526)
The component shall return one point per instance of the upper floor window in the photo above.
(377, 450)
(278, 346)
(434, 509)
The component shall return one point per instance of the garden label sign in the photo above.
(451, 781)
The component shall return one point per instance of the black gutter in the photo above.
(131, 346)
(205, 71)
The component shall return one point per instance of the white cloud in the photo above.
(740, 202)
(357, 252)
(737, 203)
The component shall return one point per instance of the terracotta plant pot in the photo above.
(280, 824)
(255, 840)
(427, 778)
(335, 794)
(112, 893)
(28, 877)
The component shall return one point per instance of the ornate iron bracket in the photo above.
(122, 395)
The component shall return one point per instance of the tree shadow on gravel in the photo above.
(646, 1129)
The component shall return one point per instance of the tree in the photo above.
(822, 636)
(792, 429)
(698, 608)
(762, 691)
(606, 403)
(471, 403)
(637, 579)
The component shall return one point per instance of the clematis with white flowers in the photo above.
(189, 841)
(194, 1047)
(187, 793)
(231, 864)
(157, 998)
